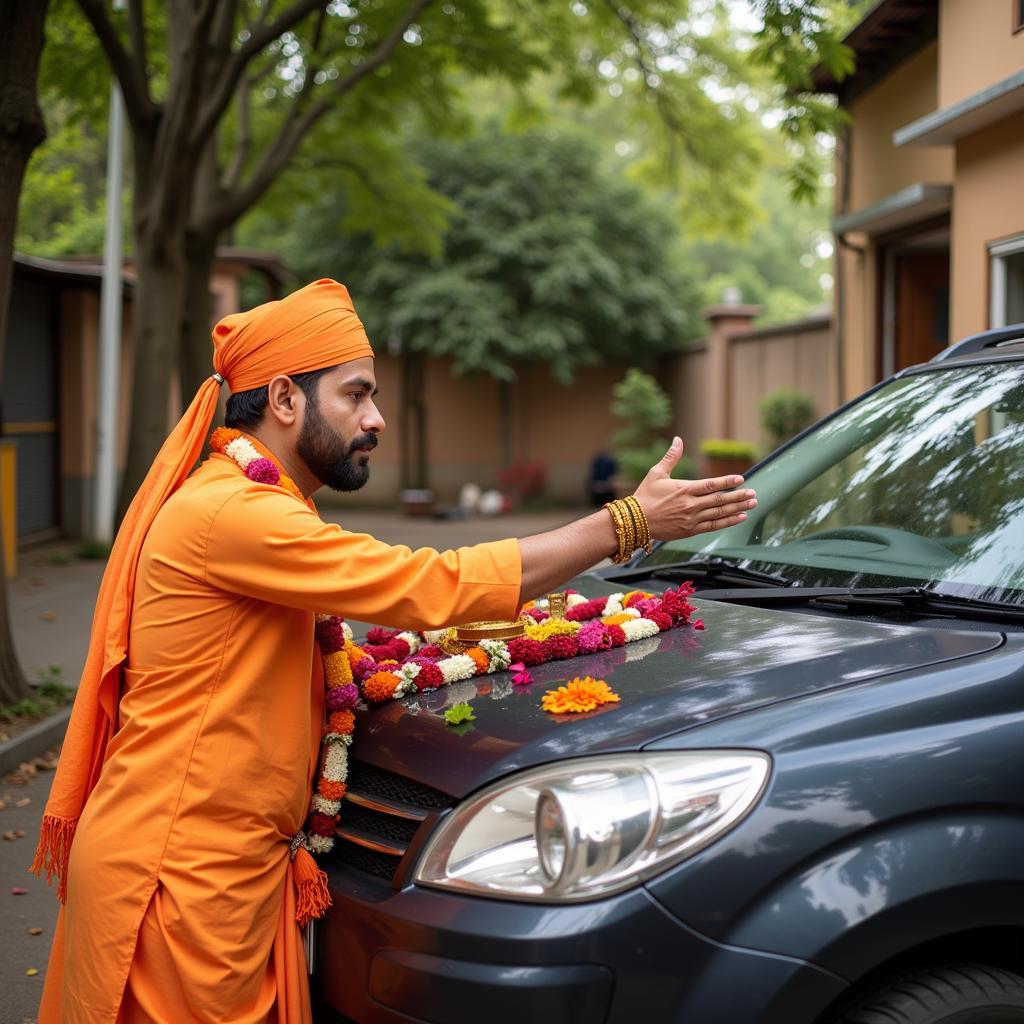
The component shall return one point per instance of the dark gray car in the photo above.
(811, 811)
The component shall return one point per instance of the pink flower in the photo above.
(698, 624)
(618, 635)
(263, 471)
(431, 652)
(587, 610)
(521, 677)
(343, 698)
(593, 637)
(364, 667)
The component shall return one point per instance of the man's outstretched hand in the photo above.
(682, 508)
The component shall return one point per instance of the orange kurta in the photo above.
(177, 907)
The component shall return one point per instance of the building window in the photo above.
(1018, 15)
(1007, 298)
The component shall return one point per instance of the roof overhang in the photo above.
(911, 205)
(889, 33)
(942, 127)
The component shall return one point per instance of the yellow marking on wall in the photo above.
(43, 427)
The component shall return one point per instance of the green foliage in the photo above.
(49, 695)
(459, 714)
(784, 413)
(723, 448)
(645, 411)
(549, 257)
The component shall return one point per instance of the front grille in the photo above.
(374, 838)
(374, 781)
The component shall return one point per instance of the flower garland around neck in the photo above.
(253, 459)
(394, 663)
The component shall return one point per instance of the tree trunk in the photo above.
(196, 357)
(159, 293)
(21, 130)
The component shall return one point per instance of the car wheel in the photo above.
(957, 994)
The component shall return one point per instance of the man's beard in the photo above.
(335, 463)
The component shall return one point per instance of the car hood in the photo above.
(745, 658)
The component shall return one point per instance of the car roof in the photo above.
(988, 346)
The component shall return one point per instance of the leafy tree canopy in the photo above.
(549, 256)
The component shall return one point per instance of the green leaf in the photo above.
(458, 714)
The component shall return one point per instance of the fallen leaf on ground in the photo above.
(49, 616)
(3, 805)
(35, 931)
(32, 972)
(10, 835)
(16, 890)
(23, 802)
(27, 769)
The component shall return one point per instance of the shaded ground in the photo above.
(51, 611)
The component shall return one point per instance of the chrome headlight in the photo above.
(580, 829)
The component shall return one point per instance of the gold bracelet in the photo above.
(644, 537)
(625, 530)
(620, 531)
(638, 529)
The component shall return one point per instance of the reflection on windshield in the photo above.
(921, 481)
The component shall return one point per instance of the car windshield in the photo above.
(922, 481)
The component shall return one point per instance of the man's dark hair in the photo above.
(246, 409)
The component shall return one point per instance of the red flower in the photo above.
(588, 610)
(379, 635)
(617, 634)
(558, 648)
(698, 624)
(429, 678)
(431, 651)
(330, 634)
(322, 824)
(664, 621)
(263, 471)
(529, 652)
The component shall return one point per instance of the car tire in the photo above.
(954, 994)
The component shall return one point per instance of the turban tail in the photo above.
(313, 328)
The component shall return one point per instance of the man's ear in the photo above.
(284, 400)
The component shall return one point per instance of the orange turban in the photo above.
(313, 328)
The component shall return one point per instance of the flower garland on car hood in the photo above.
(394, 663)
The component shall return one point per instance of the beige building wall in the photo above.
(799, 357)
(877, 167)
(988, 207)
(977, 47)
(686, 382)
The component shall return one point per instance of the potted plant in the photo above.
(723, 457)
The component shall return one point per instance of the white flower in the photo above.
(346, 631)
(412, 639)
(497, 651)
(342, 739)
(242, 451)
(639, 629)
(433, 636)
(408, 672)
(320, 844)
(459, 666)
(336, 762)
(325, 806)
(631, 612)
(574, 599)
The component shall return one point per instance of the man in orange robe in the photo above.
(189, 760)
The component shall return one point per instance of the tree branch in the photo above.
(130, 76)
(137, 30)
(261, 35)
(293, 129)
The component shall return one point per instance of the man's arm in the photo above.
(674, 509)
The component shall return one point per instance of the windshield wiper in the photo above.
(715, 569)
(914, 600)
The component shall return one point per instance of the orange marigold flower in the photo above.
(618, 619)
(331, 790)
(355, 653)
(380, 686)
(342, 722)
(222, 437)
(579, 694)
(337, 669)
(480, 659)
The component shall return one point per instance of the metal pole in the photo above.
(105, 481)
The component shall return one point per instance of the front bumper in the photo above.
(421, 955)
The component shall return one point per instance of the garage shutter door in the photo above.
(29, 397)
